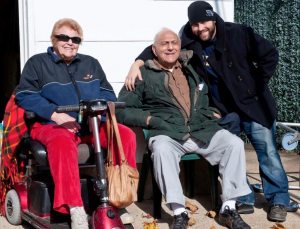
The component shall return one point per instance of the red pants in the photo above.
(61, 146)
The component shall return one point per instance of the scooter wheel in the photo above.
(13, 207)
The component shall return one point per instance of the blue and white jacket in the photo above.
(47, 82)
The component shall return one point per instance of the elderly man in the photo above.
(172, 103)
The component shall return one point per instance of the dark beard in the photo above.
(211, 40)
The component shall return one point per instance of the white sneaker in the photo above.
(79, 219)
(126, 218)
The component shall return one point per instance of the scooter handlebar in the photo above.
(67, 108)
(76, 108)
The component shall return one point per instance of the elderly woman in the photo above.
(61, 76)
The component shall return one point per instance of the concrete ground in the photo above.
(291, 162)
(258, 220)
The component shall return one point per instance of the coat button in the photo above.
(230, 64)
(249, 91)
(240, 78)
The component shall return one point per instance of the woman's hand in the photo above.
(134, 72)
(66, 121)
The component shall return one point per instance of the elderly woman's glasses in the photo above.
(66, 38)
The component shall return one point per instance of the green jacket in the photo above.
(152, 96)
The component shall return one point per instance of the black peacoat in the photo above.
(245, 62)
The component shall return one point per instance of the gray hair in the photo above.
(161, 31)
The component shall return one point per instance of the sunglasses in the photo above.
(66, 38)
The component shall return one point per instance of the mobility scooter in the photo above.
(31, 200)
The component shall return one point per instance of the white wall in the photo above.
(115, 31)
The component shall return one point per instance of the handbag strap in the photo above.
(114, 132)
(110, 139)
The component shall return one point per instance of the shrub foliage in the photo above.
(279, 22)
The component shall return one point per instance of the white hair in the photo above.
(161, 31)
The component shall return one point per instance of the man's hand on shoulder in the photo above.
(133, 73)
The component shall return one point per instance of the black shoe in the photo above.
(180, 221)
(244, 208)
(277, 213)
(232, 219)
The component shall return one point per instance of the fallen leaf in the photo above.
(190, 206)
(147, 216)
(191, 221)
(211, 214)
(278, 226)
(151, 225)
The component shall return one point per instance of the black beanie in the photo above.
(200, 11)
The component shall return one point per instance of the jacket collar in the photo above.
(55, 58)
(188, 39)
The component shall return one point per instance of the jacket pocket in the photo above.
(158, 124)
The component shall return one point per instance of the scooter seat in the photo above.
(40, 155)
(39, 152)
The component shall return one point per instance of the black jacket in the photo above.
(245, 62)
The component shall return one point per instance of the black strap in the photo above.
(71, 74)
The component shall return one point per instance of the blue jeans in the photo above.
(273, 176)
(231, 122)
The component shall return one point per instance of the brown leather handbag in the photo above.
(122, 178)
